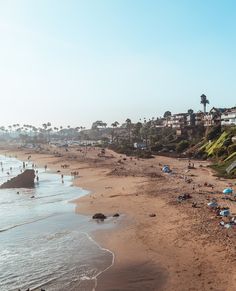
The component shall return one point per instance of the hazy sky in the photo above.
(72, 62)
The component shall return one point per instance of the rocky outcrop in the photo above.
(24, 180)
(99, 216)
(116, 215)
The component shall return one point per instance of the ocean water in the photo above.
(43, 243)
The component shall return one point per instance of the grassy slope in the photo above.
(211, 147)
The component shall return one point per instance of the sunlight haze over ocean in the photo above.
(72, 62)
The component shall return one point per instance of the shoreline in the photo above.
(183, 247)
(89, 234)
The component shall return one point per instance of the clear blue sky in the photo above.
(77, 61)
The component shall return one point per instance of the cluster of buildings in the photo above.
(216, 116)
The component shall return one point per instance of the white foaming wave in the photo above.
(99, 273)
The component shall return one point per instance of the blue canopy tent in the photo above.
(227, 191)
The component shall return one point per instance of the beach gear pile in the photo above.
(229, 224)
(224, 212)
(166, 169)
(183, 197)
(213, 204)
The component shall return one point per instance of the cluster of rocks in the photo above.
(101, 216)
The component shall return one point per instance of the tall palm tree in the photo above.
(137, 131)
(114, 125)
(128, 126)
(204, 101)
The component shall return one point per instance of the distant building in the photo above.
(161, 122)
(229, 117)
(199, 118)
(178, 120)
(190, 120)
(167, 122)
(213, 117)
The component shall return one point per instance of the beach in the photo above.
(159, 243)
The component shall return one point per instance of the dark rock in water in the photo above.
(23, 180)
(99, 216)
(116, 215)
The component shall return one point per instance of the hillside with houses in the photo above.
(206, 134)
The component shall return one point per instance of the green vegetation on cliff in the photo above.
(221, 150)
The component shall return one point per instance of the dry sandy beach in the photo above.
(180, 247)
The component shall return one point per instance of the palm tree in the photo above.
(137, 131)
(167, 114)
(204, 101)
(190, 111)
(128, 126)
(114, 125)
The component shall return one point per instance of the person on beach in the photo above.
(45, 167)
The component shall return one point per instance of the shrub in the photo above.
(220, 152)
(227, 142)
(182, 145)
(214, 133)
(231, 149)
(157, 147)
(144, 154)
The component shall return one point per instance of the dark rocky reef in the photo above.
(24, 180)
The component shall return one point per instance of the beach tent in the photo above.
(227, 191)
(225, 212)
(212, 204)
(166, 169)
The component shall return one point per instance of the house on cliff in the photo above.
(228, 118)
(213, 117)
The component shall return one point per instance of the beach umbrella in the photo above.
(227, 191)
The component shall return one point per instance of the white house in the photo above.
(179, 120)
(228, 117)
